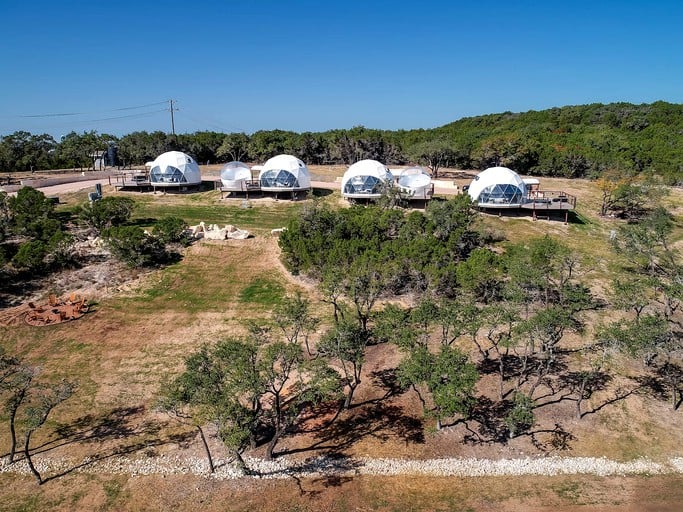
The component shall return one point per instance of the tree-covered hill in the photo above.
(571, 141)
(576, 140)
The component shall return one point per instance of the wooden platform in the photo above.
(139, 185)
(133, 180)
(243, 187)
(539, 203)
(549, 200)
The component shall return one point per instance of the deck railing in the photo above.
(549, 199)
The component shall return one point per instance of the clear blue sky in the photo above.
(317, 65)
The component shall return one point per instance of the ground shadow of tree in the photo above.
(333, 470)
(654, 385)
(147, 446)
(619, 395)
(379, 421)
(492, 429)
(575, 386)
(490, 418)
(513, 366)
(486, 423)
(119, 431)
(312, 420)
(551, 440)
(117, 423)
(387, 381)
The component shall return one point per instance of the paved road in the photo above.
(75, 186)
(64, 188)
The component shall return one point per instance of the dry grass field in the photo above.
(143, 325)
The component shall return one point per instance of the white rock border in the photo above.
(323, 466)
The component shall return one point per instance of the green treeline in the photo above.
(572, 141)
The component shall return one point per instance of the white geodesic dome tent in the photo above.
(283, 173)
(416, 183)
(174, 169)
(234, 174)
(498, 187)
(366, 179)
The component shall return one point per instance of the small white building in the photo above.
(284, 173)
(416, 183)
(234, 175)
(174, 169)
(366, 179)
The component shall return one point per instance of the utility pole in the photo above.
(171, 109)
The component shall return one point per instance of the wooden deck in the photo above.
(424, 194)
(540, 203)
(132, 180)
(242, 187)
(549, 200)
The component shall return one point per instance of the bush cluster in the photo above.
(412, 252)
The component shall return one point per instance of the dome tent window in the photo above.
(366, 179)
(364, 185)
(279, 179)
(506, 194)
(168, 175)
(284, 173)
(174, 169)
(498, 187)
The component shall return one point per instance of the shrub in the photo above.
(30, 213)
(43, 229)
(171, 230)
(107, 212)
(134, 247)
(60, 249)
(30, 256)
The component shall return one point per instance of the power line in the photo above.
(141, 106)
(66, 114)
(211, 122)
(53, 115)
(73, 123)
(141, 114)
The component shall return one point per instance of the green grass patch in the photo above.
(189, 288)
(113, 491)
(569, 491)
(33, 503)
(193, 208)
(212, 279)
(203, 207)
(263, 291)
